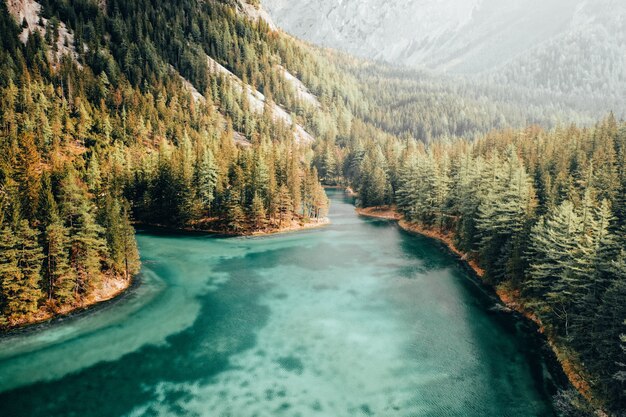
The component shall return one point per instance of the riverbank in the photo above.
(509, 297)
(294, 227)
(112, 287)
(217, 227)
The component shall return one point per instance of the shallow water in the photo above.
(354, 319)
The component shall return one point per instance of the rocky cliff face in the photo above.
(467, 36)
(27, 14)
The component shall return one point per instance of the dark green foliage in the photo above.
(59, 276)
(541, 212)
(20, 264)
(90, 141)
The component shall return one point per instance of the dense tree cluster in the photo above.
(543, 212)
(588, 63)
(262, 186)
(411, 103)
(91, 142)
(65, 225)
(137, 126)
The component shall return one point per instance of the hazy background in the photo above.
(575, 47)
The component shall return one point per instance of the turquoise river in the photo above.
(357, 318)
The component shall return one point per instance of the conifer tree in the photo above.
(87, 249)
(235, 216)
(258, 214)
(504, 214)
(206, 180)
(59, 276)
(20, 261)
(120, 236)
(28, 176)
(11, 275)
(284, 204)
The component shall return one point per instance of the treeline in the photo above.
(587, 63)
(259, 187)
(426, 107)
(543, 213)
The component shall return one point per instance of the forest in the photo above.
(113, 137)
(127, 125)
(543, 212)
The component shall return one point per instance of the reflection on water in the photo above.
(357, 318)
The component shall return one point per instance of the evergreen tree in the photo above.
(504, 215)
(120, 236)
(553, 248)
(284, 204)
(59, 276)
(21, 266)
(11, 275)
(257, 212)
(28, 178)
(235, 217)
(206, 180)
(87, 249)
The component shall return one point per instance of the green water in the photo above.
(355, 319)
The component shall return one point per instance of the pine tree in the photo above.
(21, 266)
(320, 202)
(504, 215)
(10, 274)
(328, 169)
(206, 180)
(235, 217)
(561, 263)
(294, 182)
(28, 176)
(284, 204)
(60, 277)
(94, 180)
(406, 195)
(374, 189)
(258, 214)
(120, 235)
(127, 246)
(87, 248)
(610, 326)
(47, 203)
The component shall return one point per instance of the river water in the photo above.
(354, 319)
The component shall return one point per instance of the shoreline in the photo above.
(295, 226)
(324, 221)
(509, 298)
(112, 288)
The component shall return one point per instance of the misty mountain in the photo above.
(559, 45)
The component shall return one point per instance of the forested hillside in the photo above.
(112, 129)
(542, 212)
(200, 115)
(425, 106)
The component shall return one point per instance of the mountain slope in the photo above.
(185, 114)
(474, 37)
